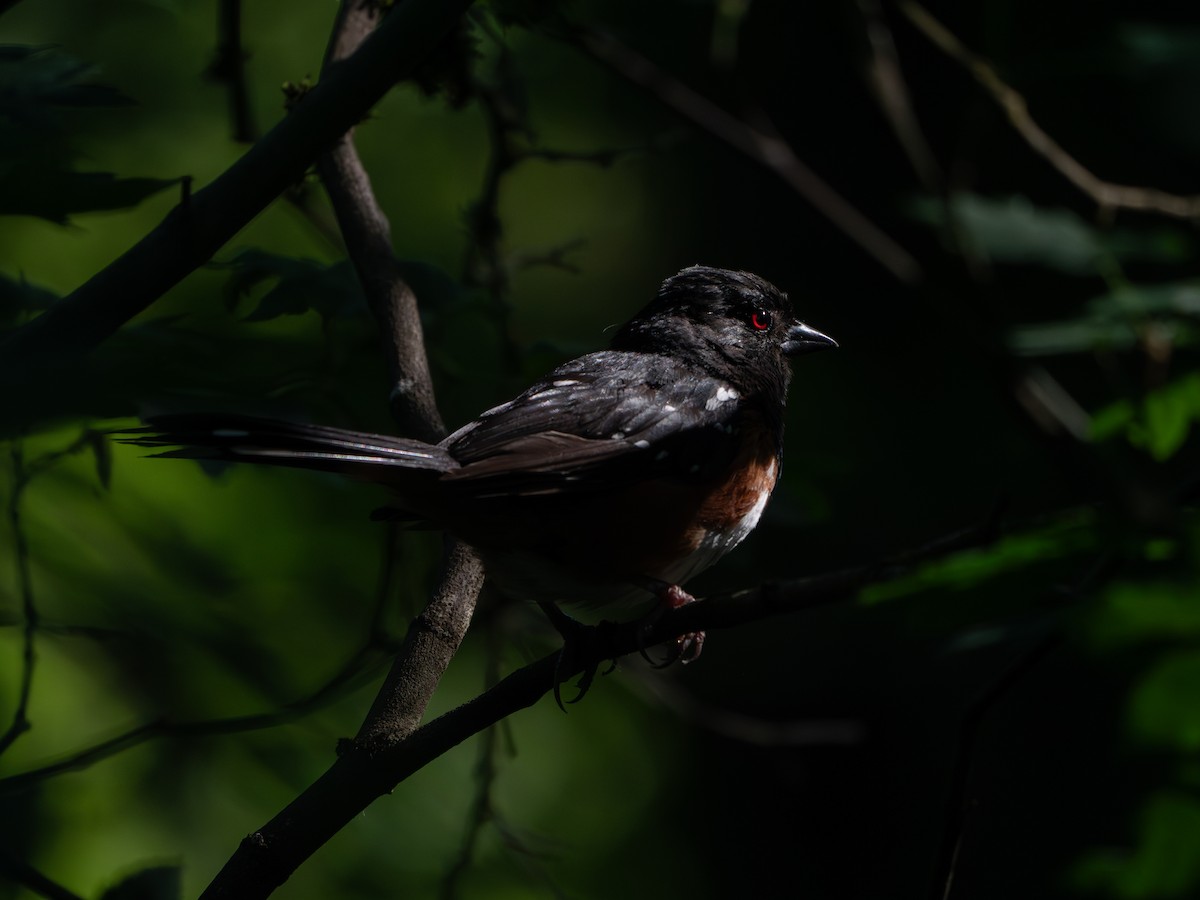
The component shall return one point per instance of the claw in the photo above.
(687, 647)
(575, 635)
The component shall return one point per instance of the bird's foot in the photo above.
(685, 648)
(580, 641)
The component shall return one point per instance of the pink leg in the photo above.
(686, 647)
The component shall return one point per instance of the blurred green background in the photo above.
(1023, 717)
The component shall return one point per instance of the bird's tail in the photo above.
(373, 457)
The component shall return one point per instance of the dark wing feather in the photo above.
(596, 423)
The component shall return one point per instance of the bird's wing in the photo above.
(596, 423)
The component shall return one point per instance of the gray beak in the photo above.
(802, 339)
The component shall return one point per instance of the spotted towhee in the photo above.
(622, 472)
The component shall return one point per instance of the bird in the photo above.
(611, 481)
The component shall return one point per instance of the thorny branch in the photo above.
(1109, 197)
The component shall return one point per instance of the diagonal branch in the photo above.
(195, 229)
(363, 773)
(18, 870)
(766, 148)
(1108, 196)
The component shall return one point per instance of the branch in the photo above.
(434, 638)
(887, 82)
(341, 682)
(21, 872)
(767, 149)
(1108, 196)
(193, 231)
(363, 773)
(368, 238)
(229, 66)
(267, 858)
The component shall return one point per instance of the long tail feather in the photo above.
(267, 441)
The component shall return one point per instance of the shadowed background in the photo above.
(1012, 352)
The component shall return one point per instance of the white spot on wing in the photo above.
(618, 435)
(565, 382)
(642, 445)
(723, 395)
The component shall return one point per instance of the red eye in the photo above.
(761, 320)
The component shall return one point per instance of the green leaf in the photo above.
(1169, 413)
(1160, 424)
(298, 286)
(1136, 610)
(1013, 230)
(1113, 321)
(35, 79)
(1074, 336)
(1163, 710)
(1111, 421)
(55, 193)
(1164, 862)
(974, 566)
(154, 883)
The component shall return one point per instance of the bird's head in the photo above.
(735, 325)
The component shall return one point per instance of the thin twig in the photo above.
(960, 777)
(751, 729)
(482, 811)
(19, 871)
(1108, 196)
(484, 264)
(960, 804)
(345, 680)
(887, 81)
(229, 66)
(23, 473)
(767, 149)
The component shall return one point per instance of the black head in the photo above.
(735, 325)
